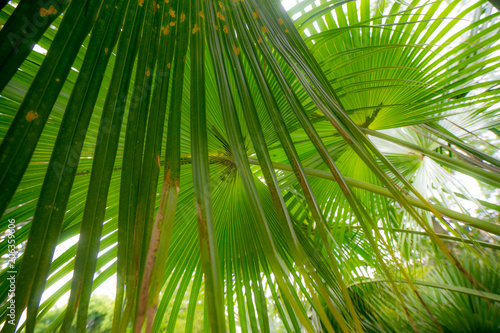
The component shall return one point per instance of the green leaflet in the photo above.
(28, 126)
(109, 20)
(20, 141)
(17, 40)
(214, 297)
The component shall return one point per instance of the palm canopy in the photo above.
(296, 150)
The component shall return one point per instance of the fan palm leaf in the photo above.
(301, 150)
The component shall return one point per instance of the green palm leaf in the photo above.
(308, 156)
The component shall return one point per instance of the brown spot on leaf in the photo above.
(236, 50)
(106, 50)
(44, 12)
(148, 73)
(183, 17)
(201, 14)
(195, 28)
(280, 21)
(220, 16)
(168, 177)
(172, 12)
(141, 2)
(32, 115)
(225, 29)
